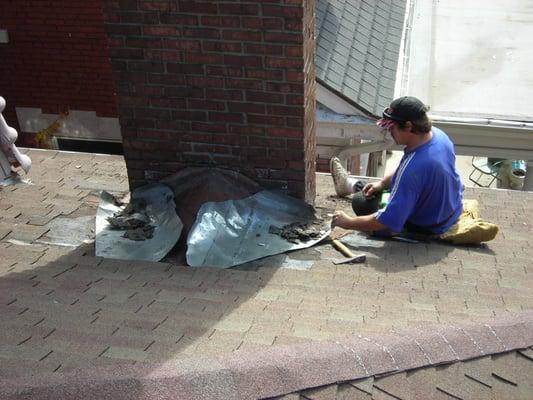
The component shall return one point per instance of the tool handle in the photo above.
(342, 248)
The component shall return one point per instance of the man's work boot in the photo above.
(341, 179)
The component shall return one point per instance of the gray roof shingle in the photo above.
(135, 329)
(358, 44)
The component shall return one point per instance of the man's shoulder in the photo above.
(439, 134)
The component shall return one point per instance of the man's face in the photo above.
(389, 125)
(397, 134)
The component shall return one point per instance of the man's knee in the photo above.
(364, 206)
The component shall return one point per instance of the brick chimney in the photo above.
(229, 84)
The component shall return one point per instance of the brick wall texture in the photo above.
(216, 83)
(56, 59)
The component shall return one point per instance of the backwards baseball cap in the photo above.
(405, 108)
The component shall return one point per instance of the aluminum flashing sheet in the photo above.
(161, 212)
(233, 232)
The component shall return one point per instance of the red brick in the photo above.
(197, 7)
(295, 100)
(205, 104)
(293, 25)
(246, 129)
(203, 33)
(66, 48)
(229, 139)
(267, 162)
(243, 84)
(144, 43)
(266, 141)
(225, 22)
(137, 17)
(190, 115)
(276, 75)
(160, 30)
(182, 44)
(285, 63)
(181, 68)
(264, 97)
(200, 58)
(285, 87)
(156, 5)
(224, 94)
(127, 53)
(223, 47)
(265, 120)
(232, 76)
(224, 71)
(120, 29)
(210, 148)
(252, 108)
(209, 127)
(152, 113)
(206, 82)
(295, 122)
(254, 48)
(263, 23)
(285, 132)
(173, 125)
(179, 19)
(294, 51)
(286, 110)
(124, 4)
(244, 35)
(283, 37)
(162, 55)
(238, 9)
(282, 11)
(146, 66)
(226, 117)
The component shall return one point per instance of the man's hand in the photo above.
(373, 188)
(362, 223)
(341, 219)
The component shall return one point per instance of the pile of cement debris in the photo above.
(134, 220)
(300, 232)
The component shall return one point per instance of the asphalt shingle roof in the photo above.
(62, 309)
(502, 376)
(358, 44)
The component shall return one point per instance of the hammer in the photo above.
(352, 259)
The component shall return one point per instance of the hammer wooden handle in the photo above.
(342, 248)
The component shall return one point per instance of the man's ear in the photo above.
(409, 126)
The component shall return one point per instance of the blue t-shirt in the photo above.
(425, 189)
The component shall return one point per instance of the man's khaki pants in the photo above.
(469, 228)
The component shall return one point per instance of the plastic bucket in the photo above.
(517, 174)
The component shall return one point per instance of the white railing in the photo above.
(474, 137)
(9, 154)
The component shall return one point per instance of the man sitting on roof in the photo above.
(425, 190)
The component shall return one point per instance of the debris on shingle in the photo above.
(300, 232)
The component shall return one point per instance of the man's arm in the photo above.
(362, 223)
(374, 188)
(385, 181)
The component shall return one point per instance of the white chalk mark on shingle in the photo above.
(497, 337)
(417, 344)
(385, 349)
(471, 338)
(359, 360)
(449, 345)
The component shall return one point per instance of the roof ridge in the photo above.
(284, 369)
